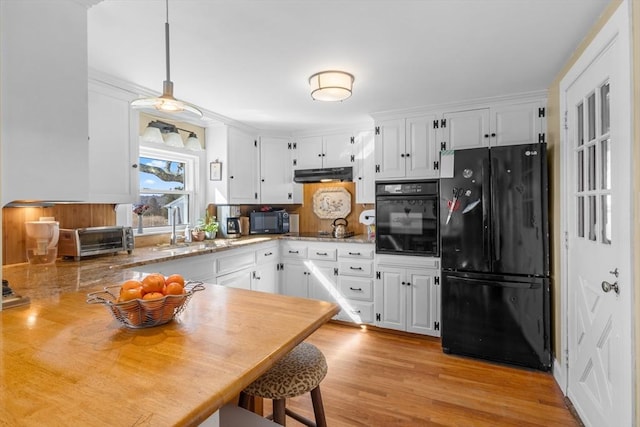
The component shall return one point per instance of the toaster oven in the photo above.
(82, 242)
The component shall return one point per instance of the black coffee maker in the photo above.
(234, 227)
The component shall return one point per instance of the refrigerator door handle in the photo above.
(504, 284)
(496, 223)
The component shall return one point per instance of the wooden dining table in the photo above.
(66, 362)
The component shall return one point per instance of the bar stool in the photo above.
(297, 373)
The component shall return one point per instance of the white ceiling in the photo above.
(249, 60)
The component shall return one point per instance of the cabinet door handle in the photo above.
(355, 311)
(294, 252)
(408, 154)
(486, 135)
(355, 253)
(135, 165)
(493, 135)
(322, 253)
(320, 155)
(231, 177)
(404, 283)
(356, 268)
(402, 155)
(268, 254)
(355, 289)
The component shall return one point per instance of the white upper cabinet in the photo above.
(406, 148)
(43, 107)
(364, 166)
(237, 153)
(327, 151)
(510, 123)
(465, 129)
(113, 145)
(276, 172)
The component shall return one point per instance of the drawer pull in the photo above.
(268, 254)
(355, 289)
(355, 253)
(355, 311)
(356, 268)
(294, 252)
(322, 253)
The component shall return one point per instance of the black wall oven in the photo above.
(407, 218)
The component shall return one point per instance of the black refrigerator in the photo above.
(495, 254)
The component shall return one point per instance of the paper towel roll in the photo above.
(367, 217)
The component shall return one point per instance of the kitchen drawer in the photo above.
(322, 254)
(235, 262)
(356, 268)
(357, 312)
(363, 252)
(295, 251)
(267, 255)
(356, 288)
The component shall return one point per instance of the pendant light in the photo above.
(166, 102)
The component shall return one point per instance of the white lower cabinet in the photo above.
(407, 298)
(331, 271)
(251, 268)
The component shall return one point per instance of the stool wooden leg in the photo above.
(279, 414)
(318, 408)
(244, 401)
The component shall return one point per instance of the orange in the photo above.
(130, 284)
(177, 278)
(129, 294)
(173, 288)
(153, 295)
(154, 282)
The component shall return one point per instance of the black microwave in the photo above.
(274, 222)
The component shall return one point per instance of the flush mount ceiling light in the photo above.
(331, 85)
(166, 102)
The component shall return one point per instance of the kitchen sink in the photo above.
(181, 248)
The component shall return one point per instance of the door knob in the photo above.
(606, 286)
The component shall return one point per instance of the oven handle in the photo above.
(500, 284)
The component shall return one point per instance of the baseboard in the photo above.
(559, 376)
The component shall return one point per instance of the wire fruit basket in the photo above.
(140, 313)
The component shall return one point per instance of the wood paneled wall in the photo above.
(309, 221)
(69, 215)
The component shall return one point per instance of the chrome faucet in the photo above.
(174, 236)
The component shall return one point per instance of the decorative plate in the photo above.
(332, 203)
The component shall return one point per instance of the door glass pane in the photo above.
(581, 170)
(592, 218)
(605, 206)
(604, 109)
(591, 118)
(580, 116)
(580, 221)
(605, 161)
(591, 159)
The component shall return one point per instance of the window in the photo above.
(166, 181)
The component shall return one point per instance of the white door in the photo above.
(242, 168)
(422, 294)
(421, 150)
(466, 129)
(389, 149)
(516, 124)
(308, 153)
(276, 173)
(600, 369)
(391, 289)
(337, 150)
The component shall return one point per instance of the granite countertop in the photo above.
(42, 282)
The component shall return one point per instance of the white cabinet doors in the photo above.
(517, 124)
(242, 166)
(390, 299)
(364, 166)
(327, 151)
(389, 145)
(421, 156)
(295, 280)
(308, 154)
(500, 124)
(113, 145)
(465, 129)
(264, 278)
(43, 117)
(423, 302)
(276, 172)
(408, 300)
(240, 279)
(323, 282)
(406, 148)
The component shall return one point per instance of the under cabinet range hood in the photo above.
(323, 175)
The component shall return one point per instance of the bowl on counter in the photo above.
(140, 313)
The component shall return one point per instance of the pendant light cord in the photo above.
(166, 41)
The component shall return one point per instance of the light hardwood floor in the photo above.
(381, 379)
